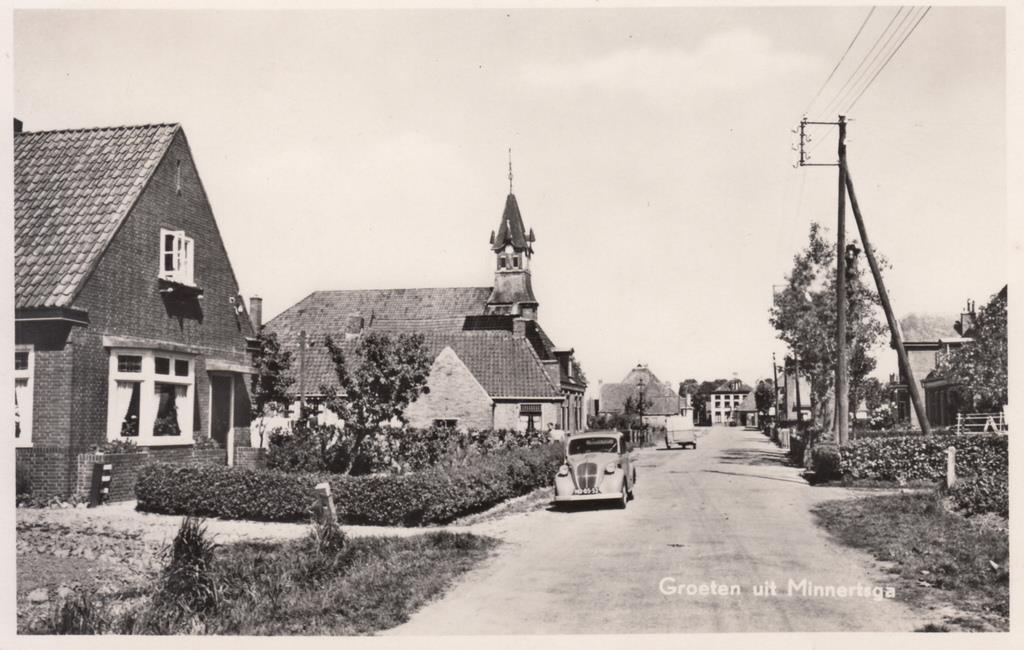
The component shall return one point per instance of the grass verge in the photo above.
(939, 558)
(318, 585)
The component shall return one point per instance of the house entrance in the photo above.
(222, 400)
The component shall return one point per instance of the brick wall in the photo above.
(51, 469)
(455, 394)
(126, 467)
(250, 457)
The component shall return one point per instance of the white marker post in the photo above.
(329, 514)
(950, 466)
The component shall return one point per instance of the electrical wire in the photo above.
(852, 104)
(840, 62)
(874, 46)
(879, 55)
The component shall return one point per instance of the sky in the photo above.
(651, 153)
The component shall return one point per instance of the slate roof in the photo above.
(512, 231)
(72, 191)
(927, 328)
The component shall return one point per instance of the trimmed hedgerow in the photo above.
(432, 496)
(924, 457)
(982, 493)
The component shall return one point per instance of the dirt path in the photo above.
(729, 513)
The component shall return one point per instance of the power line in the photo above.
(890, 58)
(878, 56)
(841, 59)
(878, 40)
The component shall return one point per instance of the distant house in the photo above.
(725, 400)
(493, 366)
(926, 338)
(746, 412)
(128, 321)
(661, 400)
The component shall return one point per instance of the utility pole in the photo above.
(842, 392)
(796, 379)
(302, 373)
(883, 295)
(775, 387)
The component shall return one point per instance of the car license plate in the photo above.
(579, 491)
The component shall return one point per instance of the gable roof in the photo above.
(504, 365)
(72, 191)
(727, 387)
(511, 230)
(325, 312)
(927, 328)
(663, 400)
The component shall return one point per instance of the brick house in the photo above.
(661, 399)
(926, 338)
(493, 364)
(128, 321)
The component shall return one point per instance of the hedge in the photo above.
(924, 457)
(433, 496)
(982, 493)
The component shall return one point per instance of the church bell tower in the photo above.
(513, 248)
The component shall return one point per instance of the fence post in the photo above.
(959, 422)
(327, 512)
(950, 466)
(100, 491)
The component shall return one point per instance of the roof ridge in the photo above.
(319, 291)
(102, 128)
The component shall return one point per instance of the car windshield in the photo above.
(593, 445)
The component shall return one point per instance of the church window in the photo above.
(501, 262)
(515, 261)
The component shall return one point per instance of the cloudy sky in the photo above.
(651, 153)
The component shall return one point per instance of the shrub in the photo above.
(186, 586)
(826, 462)
(432, 496)
(982, 493)
(924, 457)
(78, 613)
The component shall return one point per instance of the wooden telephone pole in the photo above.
(842, 380)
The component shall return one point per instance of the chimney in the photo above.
(519, 328)
(354, 324)
(256, 312)
(17, 125)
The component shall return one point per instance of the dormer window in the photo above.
(177, 257)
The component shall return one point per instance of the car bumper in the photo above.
(568, 498)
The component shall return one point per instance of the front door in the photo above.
(221, 407)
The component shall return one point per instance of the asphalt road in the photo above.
(728, 513)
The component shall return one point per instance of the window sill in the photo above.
(178, 289)
(20, 443)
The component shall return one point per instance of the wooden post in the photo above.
(302, 372)
(842, 381)
(327, 512)
(894, 326)
(950, 466)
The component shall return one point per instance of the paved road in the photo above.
(728, 513)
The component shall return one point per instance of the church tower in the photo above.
(513, 248)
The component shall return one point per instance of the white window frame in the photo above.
(25, 411)
(148, 404)
(182, 251)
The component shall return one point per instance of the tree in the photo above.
(387, 374)
(764, 395)
(699, 402)
(979, 368)
(804, 317)
(270, 381)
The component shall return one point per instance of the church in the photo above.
(494, 367)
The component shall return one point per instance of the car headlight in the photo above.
(563, 470)
(611, 467)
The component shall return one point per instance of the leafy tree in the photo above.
(804, 317)
(270, 382)
(699, 401)
(979, 368)
(387, 374)
(634, 405)
(764, 395)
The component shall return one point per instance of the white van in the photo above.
(679, 431)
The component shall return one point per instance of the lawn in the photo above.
(310, 586)
(940, 557)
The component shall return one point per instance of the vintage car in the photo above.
(680, 431)
(596, 467)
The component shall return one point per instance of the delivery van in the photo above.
(679, 431)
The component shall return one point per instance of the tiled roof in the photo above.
(325, 312)
(512, 231)
(72, 190)
(505, 366)
(927, 328)
(663, 400)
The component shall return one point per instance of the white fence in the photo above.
(981, 422)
